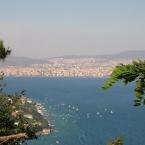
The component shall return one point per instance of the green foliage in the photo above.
(6, 121)
(117, 141)
(4, 52)
(129, 73)
(8, 105)
(2, 84)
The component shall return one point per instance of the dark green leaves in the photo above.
(4, 52)
(129, 73)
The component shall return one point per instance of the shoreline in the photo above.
(81, 77)
(38, 116)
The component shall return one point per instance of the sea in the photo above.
(81, 113)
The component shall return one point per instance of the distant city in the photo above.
(67, 66)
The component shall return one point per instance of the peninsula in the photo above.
(22, 119)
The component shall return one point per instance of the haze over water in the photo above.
(82, 113)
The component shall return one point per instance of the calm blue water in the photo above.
(82, 113)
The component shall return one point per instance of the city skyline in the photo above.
(43, 29)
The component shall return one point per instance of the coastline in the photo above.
(59, 77)
(38, 115)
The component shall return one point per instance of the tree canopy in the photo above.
(134, 72)
(4, 52)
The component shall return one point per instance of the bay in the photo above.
(83, 114)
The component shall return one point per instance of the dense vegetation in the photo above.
(11, 122)
(130, 73)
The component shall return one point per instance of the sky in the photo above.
(50, 28)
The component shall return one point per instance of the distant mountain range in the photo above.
(24, 61)
(124, 55)
(136, 54)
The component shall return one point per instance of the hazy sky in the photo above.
(47, 28)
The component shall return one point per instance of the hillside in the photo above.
(24, 61)
(122, 55)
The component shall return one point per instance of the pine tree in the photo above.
(4, 52)
(134, 72)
